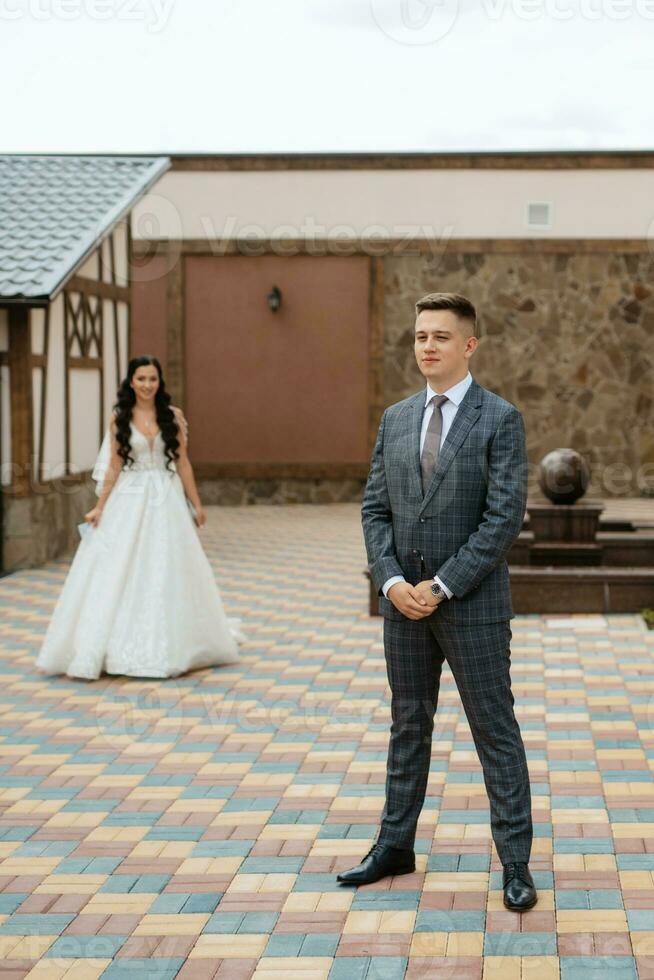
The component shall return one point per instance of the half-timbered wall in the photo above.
(61, 367)
(79, 356)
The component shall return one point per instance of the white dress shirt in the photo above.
(448, 411)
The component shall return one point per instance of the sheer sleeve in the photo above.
(182, 424)
(102, 462)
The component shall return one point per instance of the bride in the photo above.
(140, 597)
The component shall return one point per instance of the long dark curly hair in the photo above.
(125, 401)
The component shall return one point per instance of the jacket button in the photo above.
(422, 520)
(414, 551)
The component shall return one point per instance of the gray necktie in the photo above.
(432, 443)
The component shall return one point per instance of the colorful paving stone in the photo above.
(194, 827)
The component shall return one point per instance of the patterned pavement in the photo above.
(193, 827)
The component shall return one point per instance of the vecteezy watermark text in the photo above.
(418, 22)
(153, 13)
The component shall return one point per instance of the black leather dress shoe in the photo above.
(519, 889)
(380, 861)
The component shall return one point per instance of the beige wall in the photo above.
(395, 203)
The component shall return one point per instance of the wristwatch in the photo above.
(437, 591)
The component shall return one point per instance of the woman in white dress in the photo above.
(140, 598)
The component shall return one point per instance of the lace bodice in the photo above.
(148, 454)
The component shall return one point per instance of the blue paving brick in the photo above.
(386, 968)
(640, 920)
(598, 968)
(159, 968)
(44, 924)
(372, 901)
(74, 946)
(258, 922)
(434, 920)
(350, 968)
(117, 884)
(284, 944)
(271, 865)
(224, 922)
(320, 944)
(9, 901)
(169, 903)
(520, 944)
(202, 902)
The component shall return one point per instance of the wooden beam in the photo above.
(392, 247)
(85, 363)
(94, 287)
(529, 160)
(175, 334)
(20, 393)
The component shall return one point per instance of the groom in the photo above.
(444, 502)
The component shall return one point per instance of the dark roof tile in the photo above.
(55, 209)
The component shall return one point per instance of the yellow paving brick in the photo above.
(118, 834)
(636, 879)
(428, 944)
(502, 968)
(24, 947)
(71, 884)
(180, 924)
(300, 967)
(241, 818)
(639, 829)
(600, 862)
(14, 866)
(397, 921)
(579, 816)
(68, 819)
(540, 968)
(591, 920)
(290, 831)
(362, 922)
(210, 946)
(86, 969)
(642, 943)
(334, 901)
(210, 866)
(133, 903)
(460, 881)
(340, 848)
(305, 968)
(465, 944)
(303, 901)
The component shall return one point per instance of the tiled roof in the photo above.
(55, 209)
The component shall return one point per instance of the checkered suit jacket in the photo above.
(473, 510)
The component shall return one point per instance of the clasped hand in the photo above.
(414, 601)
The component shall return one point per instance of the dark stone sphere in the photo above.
(563, 476)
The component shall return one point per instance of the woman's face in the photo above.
(145, 382)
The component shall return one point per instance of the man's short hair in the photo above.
(455, 302)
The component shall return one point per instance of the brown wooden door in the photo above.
(285, 387)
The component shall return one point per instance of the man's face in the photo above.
(442, 347)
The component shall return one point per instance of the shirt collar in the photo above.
(455, 393)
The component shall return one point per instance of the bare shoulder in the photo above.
(179, 414)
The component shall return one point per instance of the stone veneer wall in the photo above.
(44, 526)
(569, 339)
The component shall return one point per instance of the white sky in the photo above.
(325, 75)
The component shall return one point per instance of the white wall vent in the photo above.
(539, 214)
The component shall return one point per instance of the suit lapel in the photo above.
(467, 414)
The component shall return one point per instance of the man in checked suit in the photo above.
(444, 502)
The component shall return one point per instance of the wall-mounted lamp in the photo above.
(274, 299)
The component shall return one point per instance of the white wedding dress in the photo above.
(140, 597)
